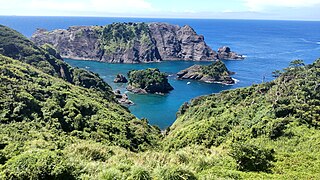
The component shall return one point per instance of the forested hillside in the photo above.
(55, 128)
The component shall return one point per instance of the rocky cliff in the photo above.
(128, 43)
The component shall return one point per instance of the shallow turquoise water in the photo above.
(159, 109)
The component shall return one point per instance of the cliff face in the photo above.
(78, 42)
(180, 43)
(128, 43)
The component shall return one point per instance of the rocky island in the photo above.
(225, 53)
(217, 72)
(129, 43)
(146, 81)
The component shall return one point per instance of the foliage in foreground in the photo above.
(284, 147)
(54, 129)
(29, 95)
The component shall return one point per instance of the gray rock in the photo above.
(76, 42)
(122, 98)
(225, 53)
(120, 78)
(161, 42)
(180, 43)
(136, 90)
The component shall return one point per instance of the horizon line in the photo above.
(147, 17)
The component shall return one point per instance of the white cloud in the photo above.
(34, 7)
(259, 5)
(118, 6)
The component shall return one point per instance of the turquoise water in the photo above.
(268, 45)
(159, 109)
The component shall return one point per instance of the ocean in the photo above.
(268, 46)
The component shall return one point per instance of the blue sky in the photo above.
(220, 9)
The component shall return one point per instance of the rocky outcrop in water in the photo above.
(122, 98)
(128, 43)
(146, 81)
(225, 53)
(120, 78)
(217, 72)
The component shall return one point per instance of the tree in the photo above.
(276, 73)
(296, 63)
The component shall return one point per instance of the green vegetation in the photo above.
(151, 80)
(121, 36)
(271, 127)
(51, 128)
(29, 95)
(46, 59)
(217, 70)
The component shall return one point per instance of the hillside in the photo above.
(267, 131)
(46, 58)
(130, 43)
(271, 127)
(51, 128)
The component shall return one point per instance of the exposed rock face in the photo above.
(77, 42)
(120, 79)
(128, 43)
(180, 43)
(122, 98)
(214, 73)
(146, 81)
(226, 54)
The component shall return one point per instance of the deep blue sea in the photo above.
(268, 45)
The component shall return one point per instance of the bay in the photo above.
(268, 45)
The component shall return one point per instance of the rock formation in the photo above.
(225, 53)
(146, 81)
(128, 43)
(122, 98)
(217, 72)
(120, 78)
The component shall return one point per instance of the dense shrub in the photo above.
(37, 164)
(251, 157)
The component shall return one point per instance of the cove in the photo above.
(160, 110)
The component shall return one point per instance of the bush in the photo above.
(111, 174)
(37, 164)
(139, 173)
(252, 158)
(175, 173)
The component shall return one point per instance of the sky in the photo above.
(205, 9)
